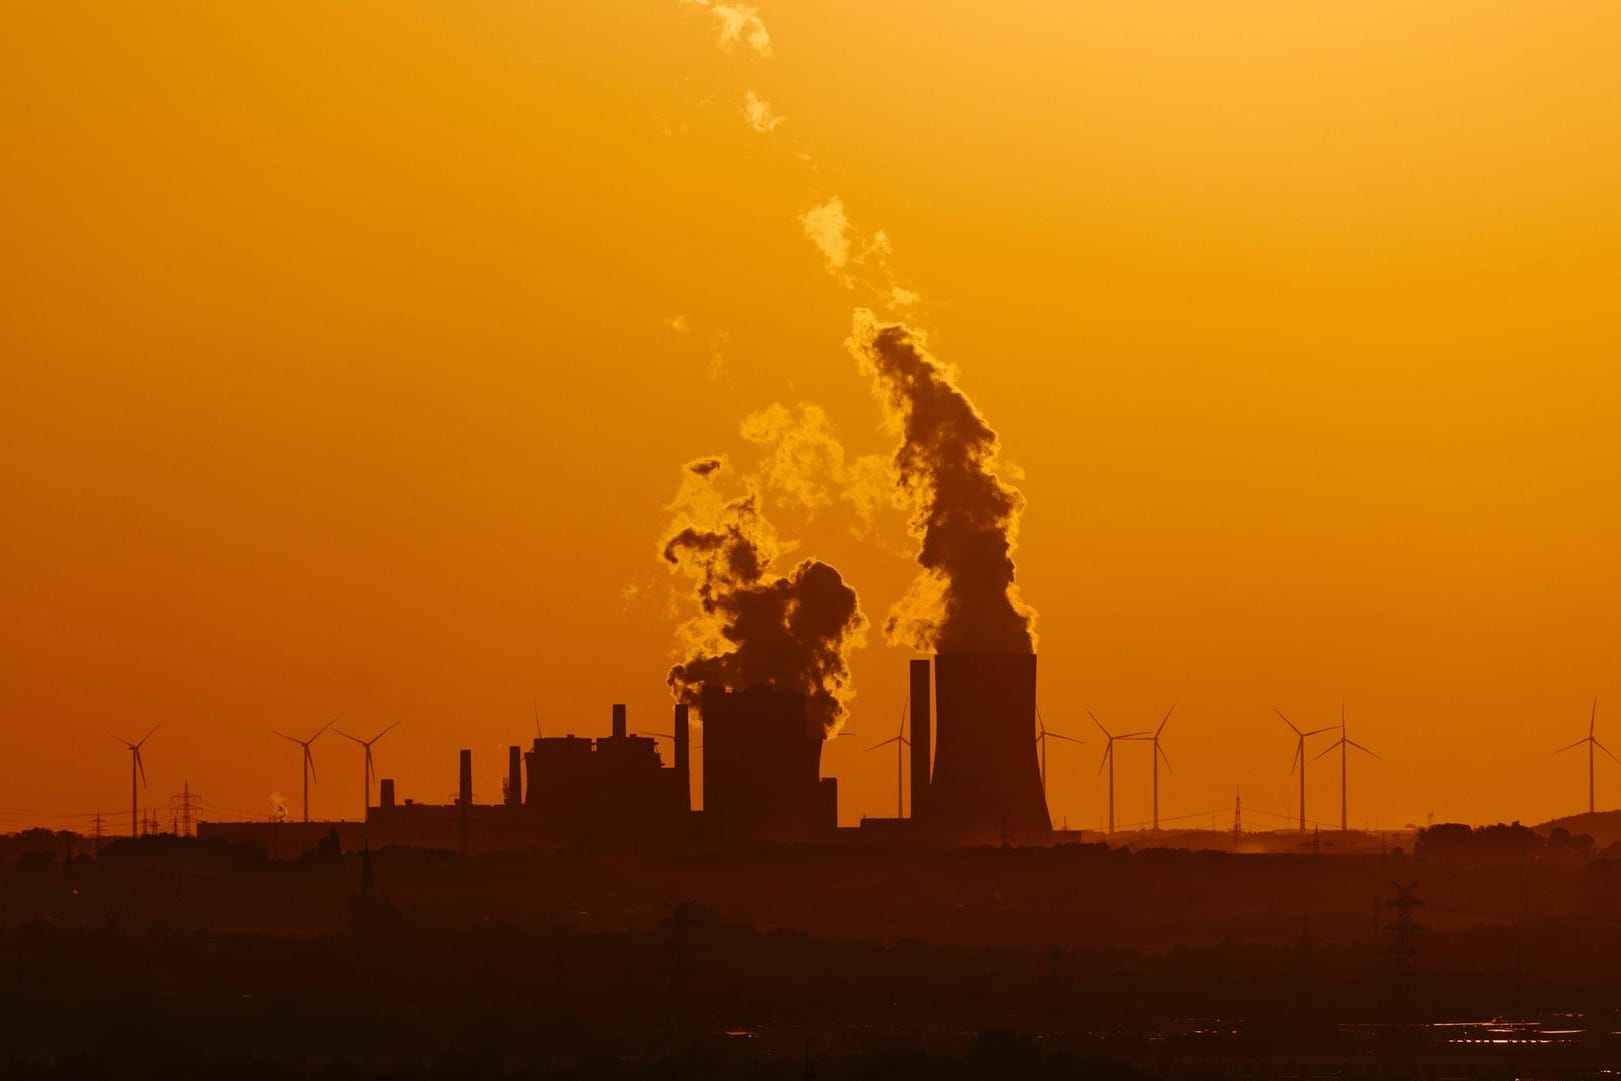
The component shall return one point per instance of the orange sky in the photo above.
(337, 375)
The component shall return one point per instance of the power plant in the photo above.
(969, 747)
(973, 763)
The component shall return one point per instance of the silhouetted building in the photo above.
(985, 785)
(611, 789)
(762, 767)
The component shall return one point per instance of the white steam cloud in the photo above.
(759, 113)
(736, 25)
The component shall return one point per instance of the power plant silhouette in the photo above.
(975, 775)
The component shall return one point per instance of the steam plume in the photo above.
(760, 114)
(803, 464)
(754, 626)
(736, 24)
(964, 516)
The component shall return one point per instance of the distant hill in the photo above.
(1603, 826)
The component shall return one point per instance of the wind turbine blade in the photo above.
(1286, 720)
(1573, 746)
(1107, 751)
(1605, 749)
(886, 743)
(1097, 722)
(1320, 731)
(290, 739)
(309, 759)
(1163, 722)
(160, 725)
(1163, 755)
(1592, 718)
(1329, 748)
(384, 732)
(1060, 735)
(1300, 750)
(1361, 748)
(346, 735)
(140, 766)
(323, 728)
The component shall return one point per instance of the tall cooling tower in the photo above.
(986, 783)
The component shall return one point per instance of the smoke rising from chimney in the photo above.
(754, 626)
(964, 517)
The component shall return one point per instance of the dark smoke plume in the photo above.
(754, 626)
(964, 516)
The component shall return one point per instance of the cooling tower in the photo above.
(986, 785)
(762, 766)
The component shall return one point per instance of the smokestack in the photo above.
(619, 720)
(683, 763)
(514, 776)
(921, 725)
(465, 796)
(385, 792)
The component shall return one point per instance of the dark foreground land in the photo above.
(166, 958)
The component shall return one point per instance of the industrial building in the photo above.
(984, 783)
(974, 773)
(762, 768)
(761, 782)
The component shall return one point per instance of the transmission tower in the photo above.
(183, 811)
(1404, 931)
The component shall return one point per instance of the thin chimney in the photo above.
(619, 720)
(683, 763)
(385, 792)
(465, 796)
(514, 776)
(921, 726)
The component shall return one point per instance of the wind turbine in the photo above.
(1344, 743)
(309, 761)
(1592, 741)
(136, 766)
(1108, 758)
(1159, 753)
(901, 743)
(369, 772)
(1042, 735)
(1300, 759)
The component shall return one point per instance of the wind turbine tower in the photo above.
(1344, 743)
(1042, 735)
(901, 744)
(1159, 753)
(369, 771)
(309, 761)
(1108, 757)
(1300, 759)
(136, 767)
(1592, 741)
